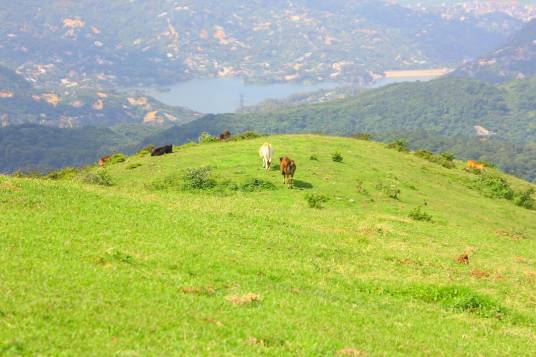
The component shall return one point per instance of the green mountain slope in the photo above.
(38, 148)
(144, 267)
(439, 110)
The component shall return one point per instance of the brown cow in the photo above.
(226, 135)
(471, 164)
(288, 168)
(103, 160)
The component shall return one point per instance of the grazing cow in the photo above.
(471, 164)
(168, 149)
(226, 135)
(266, 152)
(288, 168)
(103, 160)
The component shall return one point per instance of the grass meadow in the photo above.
(136, 259)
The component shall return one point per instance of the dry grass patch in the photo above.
(350, 352)
(198, 290)
(479, 274)
(243, 299)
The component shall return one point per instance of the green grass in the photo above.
(146, 267)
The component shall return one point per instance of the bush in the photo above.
(133, 166)
(146, 150)
(494, 186)
(206, 138)
(423, 154)
(68, 172)
(101, 178)
(337, 157)
(448, 156)
(391, 191)
(313, 158)
(315, 200)
(418, 214)
(445, 159)
(117, 158)
(255, 184)
(399, 145)
(525, 199)
(246, 135)
(198, 179)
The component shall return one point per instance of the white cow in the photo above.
(266, 152)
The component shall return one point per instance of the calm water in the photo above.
(222, 95)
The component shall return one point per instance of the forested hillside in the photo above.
(38, 148)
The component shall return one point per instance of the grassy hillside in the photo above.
(440, 110)
(151, 266)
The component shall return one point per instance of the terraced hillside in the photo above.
(147, 257)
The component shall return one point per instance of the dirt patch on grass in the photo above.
(8, 186)
(243, 299)
(530, 275)
(479, 274)
(463, 259)
(198, 290)
(350, 352)
(214, 322)
(255, 341)
(513, 235)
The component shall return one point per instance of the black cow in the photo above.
(168, 149)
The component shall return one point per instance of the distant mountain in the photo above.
(515, 59)
(21, 103)
(98, 44)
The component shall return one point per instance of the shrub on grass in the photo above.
(445, 159)
(337, 157)
(133, 166)
(146, 150)
(198, 179)
(255, 185)
(101, 178)
(418, 214)
(494, 186)
(206, 138)
(117, 158)
(525, 199)
(316, 200)
(448, 156)
(246, 135)
(392, 191)
(68, 172)
(398, 145)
